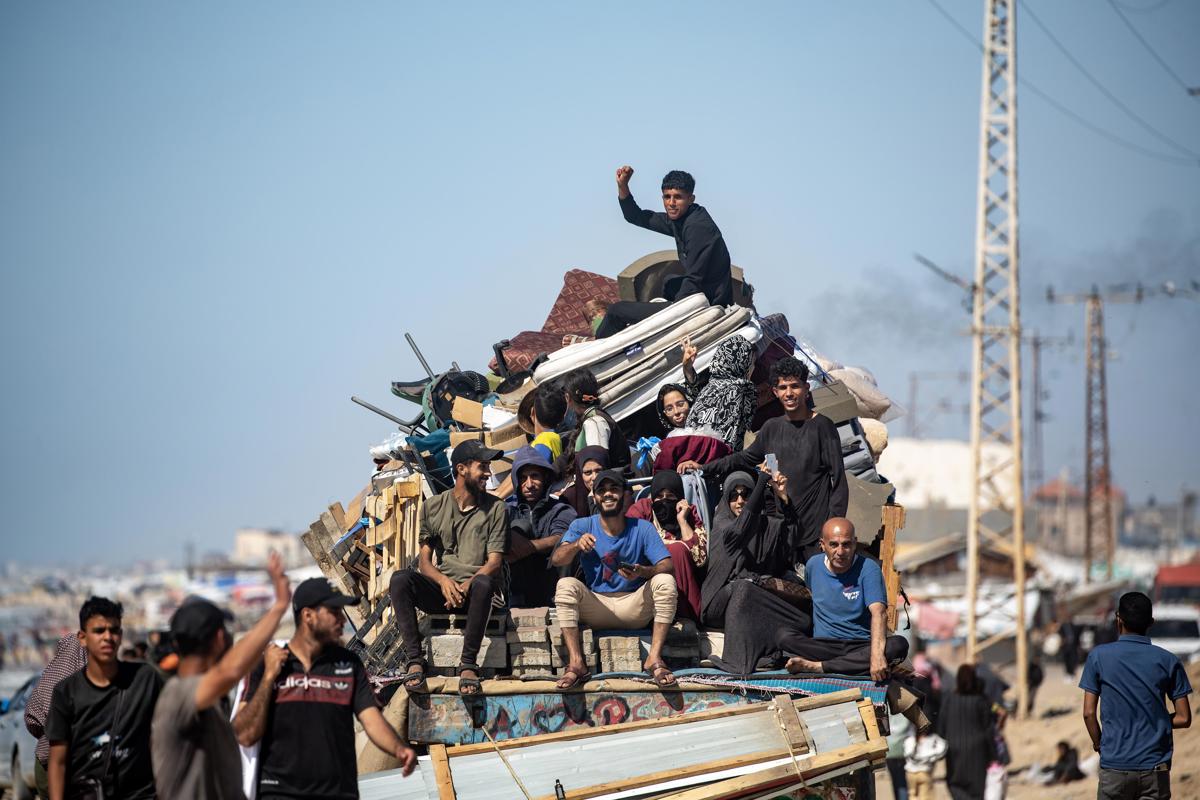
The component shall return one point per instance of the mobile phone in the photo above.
(772, 464)
(629, 567)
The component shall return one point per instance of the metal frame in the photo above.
(996, 328)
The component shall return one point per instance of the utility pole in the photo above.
(1039, 395)
(996, 330)
(1097, 478)
(913, 420)
(1097, 462)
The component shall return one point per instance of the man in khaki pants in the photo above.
(627, 580)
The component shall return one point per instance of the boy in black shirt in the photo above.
(99, 723)
(302, 702)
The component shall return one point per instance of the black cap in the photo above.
(320, 592)
(614, 475)
(473, 450)
(195, 622)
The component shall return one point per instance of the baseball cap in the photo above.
(320, 592)
(195, 622)
(473, 450)
(614, 475)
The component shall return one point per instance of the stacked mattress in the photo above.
(634, 363)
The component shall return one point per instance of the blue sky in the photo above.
(218, 220)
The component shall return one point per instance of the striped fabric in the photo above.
(69, 658)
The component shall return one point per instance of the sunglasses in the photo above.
(741, 494)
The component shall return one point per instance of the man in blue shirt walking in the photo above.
(1133, 733)
(627, 580)
(849, 601)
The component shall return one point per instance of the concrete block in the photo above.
(520, 648)
(712, 643)
(529, 617)
(446, 651)
(528, 635)
(532, 659)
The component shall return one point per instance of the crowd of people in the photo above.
(773, 561)
(744, 534)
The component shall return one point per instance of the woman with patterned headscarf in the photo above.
(727, 404)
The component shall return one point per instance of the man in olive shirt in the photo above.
(463, 537)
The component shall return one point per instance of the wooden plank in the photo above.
(441, 773)
(803, 704)
(893, 521)
(785, 775)
(339, 517)
(866, 710)
(793, 729)
(673, 773)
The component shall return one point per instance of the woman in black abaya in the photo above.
(752, 540)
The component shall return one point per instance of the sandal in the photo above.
(414, 682)
(655, 671)
(573, 678)
(469, 687)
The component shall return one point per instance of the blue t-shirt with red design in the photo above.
(842, 601)
(638, 544)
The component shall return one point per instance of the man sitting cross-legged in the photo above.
(627, 580)
(465, 530)
(849, 601)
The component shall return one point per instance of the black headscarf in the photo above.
(578, 495)
(754, 543)
(667, 388)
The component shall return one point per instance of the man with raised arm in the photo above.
(192, 743)
(698, 241)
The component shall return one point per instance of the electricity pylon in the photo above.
(1100, 526)
(996, 332)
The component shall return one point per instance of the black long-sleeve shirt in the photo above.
(810, 455)
(701, 247)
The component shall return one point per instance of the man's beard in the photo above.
(616, 511)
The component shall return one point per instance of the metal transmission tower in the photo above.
(1097, 476)
(1097, 469)
(996, 329)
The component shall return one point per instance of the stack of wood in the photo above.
(359, 555)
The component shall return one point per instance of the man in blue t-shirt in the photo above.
(1136, 679)
(627, 580)
(849, 601)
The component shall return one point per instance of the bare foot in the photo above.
(797, 664)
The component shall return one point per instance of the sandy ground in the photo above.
(1033, 741)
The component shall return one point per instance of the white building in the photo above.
(251, 546)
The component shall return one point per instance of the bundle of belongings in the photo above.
(660, 499)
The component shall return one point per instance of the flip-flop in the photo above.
(573, 679)
(469, 687)
(414, 682)
(655, 669)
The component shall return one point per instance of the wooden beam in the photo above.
(441, 772)
(872, 751)
(893, 521)
(674, 773)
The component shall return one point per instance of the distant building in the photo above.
(251, 546)
(1061, 516)
(933, 482)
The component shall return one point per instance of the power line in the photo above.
(1103, 89)
(1149, 49)
(1146, 9)
(1064, 110)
